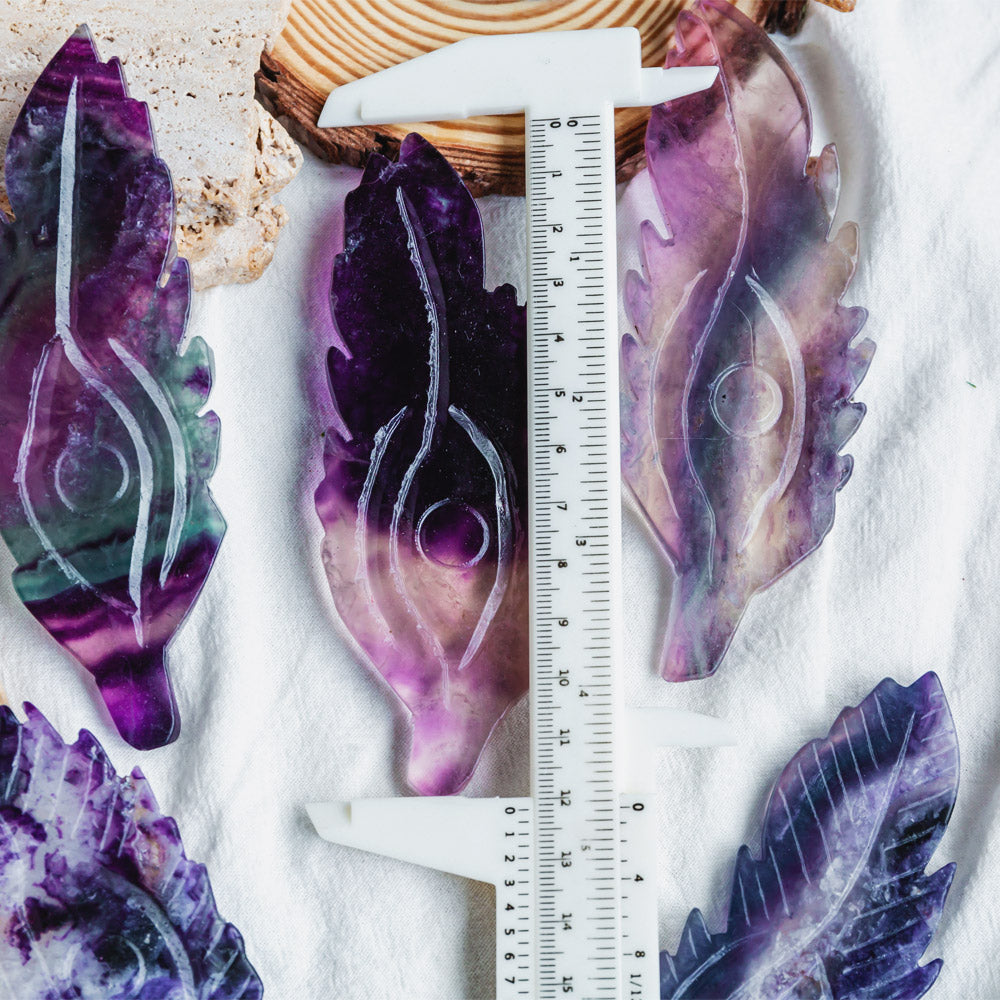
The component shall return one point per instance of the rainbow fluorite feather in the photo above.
(738, 378)
(104, 459)
(426, 477)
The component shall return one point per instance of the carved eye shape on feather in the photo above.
(426, 475)
(104, 456)
(436, 558)
(737, 381)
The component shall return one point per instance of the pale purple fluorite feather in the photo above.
(737, 383)
(104, 456)
(97, 898)
(426, 479)
(839, 905)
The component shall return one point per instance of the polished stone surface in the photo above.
(737, 381)
(425, 490)
(104, 456)
(97, 898)
(838, 905)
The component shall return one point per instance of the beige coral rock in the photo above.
(193, 62)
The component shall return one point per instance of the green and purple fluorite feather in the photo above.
(839, 905)
(104, 459)
(737, 381)
(426, 476)
(97, 898)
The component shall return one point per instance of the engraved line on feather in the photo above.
(15, 765)
(75, 355)
(382, 438)
(21, 480)
(178, 512)
(799, 946)
(793, 447)
(138, 980)
(654, 367)
(436, 390)
(158, 918)
(686, 437)
(505, 533)
(84, 800)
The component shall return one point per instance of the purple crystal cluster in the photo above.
(426, 475)
(97, 898)
(738, 378)
(104, 458)
(839, 905)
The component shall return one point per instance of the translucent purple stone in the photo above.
(839, 905)
(738, 378)
(104, 459)
(97, 898)
(426, 476)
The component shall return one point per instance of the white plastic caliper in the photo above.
(574, 863)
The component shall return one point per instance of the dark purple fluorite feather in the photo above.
(104, 459)
(426, 478)
(737, 381)
(97, 898)
(839, 905)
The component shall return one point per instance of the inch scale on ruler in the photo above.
(574, 862)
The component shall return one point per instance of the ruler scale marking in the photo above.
(569, 666)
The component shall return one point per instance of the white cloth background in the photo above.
(278, 710)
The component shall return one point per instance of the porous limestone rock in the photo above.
(193, 62)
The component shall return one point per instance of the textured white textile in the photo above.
(278, 710)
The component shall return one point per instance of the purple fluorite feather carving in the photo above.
(97, 898)
(426, 478)
(839, 905)
(104, 460)
(737, 383)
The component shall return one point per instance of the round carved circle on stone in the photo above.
(453, 533)
(746, 401)
(90, 478)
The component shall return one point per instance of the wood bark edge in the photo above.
(495, 170)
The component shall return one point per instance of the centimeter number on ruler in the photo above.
(575, 544)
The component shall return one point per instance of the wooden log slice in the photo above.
(327, 43)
